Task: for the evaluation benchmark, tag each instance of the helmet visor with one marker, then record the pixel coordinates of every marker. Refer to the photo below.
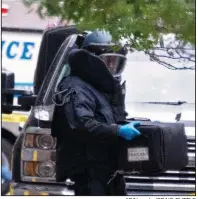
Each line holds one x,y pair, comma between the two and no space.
114,62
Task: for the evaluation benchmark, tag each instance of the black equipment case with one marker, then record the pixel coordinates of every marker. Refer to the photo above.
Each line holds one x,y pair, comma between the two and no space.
161,147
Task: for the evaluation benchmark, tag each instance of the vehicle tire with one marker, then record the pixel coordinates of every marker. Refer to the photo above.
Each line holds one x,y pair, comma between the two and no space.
6,152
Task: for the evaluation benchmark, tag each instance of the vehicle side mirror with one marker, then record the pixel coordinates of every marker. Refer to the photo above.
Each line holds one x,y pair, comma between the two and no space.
7,81
26,99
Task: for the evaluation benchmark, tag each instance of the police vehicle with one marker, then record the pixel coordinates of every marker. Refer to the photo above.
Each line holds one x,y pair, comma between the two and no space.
19,55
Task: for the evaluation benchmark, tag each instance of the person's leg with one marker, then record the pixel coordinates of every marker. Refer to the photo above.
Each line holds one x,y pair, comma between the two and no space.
81,185
95,184
98,184
89,186
96,188
117,186
120,187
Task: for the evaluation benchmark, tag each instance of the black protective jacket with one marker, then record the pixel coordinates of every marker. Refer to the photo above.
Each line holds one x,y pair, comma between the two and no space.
86,124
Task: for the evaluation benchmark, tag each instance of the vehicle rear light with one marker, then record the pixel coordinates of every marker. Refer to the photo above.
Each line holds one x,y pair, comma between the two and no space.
45,141
46,169
39,141
38,156
29,168
39,169
30,140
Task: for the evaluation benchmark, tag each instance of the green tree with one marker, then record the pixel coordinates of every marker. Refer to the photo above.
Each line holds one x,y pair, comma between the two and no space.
143,23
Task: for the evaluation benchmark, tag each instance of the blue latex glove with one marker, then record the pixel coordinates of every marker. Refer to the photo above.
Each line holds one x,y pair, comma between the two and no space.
128,131
6,173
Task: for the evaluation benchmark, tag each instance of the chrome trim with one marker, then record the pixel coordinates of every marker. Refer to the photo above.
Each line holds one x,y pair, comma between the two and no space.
165,178
191,148
57,190
48,180
159,193
161,186
190,133
179,172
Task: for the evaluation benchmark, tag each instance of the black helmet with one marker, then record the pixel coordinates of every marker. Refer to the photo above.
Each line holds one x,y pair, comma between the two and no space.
113,54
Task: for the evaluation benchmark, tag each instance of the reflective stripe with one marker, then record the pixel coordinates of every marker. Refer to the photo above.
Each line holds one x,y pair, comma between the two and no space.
26,193
33,180
44,194
14,118
31,193
35,156
11,190
192,194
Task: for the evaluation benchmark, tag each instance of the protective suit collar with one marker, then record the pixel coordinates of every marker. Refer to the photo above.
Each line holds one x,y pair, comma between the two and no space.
91,69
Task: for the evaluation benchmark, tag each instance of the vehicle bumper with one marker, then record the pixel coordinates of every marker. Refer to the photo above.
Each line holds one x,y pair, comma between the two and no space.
30,189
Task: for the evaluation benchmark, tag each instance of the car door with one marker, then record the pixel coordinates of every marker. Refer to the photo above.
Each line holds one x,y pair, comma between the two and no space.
51,42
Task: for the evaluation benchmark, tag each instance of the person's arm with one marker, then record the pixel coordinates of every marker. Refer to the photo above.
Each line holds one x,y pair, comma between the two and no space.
79,110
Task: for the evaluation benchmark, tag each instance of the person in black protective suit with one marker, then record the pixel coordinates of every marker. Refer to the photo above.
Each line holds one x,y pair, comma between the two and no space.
86,125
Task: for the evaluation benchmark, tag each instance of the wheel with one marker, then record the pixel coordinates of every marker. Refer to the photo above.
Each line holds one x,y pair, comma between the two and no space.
6,151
